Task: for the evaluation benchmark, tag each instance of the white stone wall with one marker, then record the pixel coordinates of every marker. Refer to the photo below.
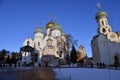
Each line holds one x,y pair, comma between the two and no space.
56,33
104,50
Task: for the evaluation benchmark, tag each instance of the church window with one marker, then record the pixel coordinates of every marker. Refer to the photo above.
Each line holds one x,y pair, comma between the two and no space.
38,43
103,30
28,43
102,23
49,42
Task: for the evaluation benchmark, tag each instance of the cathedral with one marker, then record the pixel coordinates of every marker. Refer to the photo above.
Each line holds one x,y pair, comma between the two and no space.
50,46
106,44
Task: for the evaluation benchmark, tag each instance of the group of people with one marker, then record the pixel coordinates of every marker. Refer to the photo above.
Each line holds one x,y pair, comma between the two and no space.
100,65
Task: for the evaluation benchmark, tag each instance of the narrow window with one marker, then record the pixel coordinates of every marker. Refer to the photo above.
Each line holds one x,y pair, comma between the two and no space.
38,43
28,43
34,45
102,23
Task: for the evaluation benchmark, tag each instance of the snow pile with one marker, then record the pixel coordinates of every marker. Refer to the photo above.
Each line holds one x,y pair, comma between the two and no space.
86,74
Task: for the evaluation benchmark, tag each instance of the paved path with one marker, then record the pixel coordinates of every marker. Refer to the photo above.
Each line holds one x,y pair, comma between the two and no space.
31,74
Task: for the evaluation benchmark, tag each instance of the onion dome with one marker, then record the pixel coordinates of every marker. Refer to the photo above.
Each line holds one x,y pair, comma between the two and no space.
101,14
39,30
49,24
56,26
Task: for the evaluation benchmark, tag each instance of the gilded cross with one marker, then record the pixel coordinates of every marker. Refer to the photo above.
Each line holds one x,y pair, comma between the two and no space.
99,6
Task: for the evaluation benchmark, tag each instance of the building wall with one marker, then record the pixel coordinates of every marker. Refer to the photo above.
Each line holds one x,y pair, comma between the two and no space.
41,45
104,50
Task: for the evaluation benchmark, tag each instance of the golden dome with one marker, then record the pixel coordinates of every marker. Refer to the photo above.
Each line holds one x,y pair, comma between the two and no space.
50,24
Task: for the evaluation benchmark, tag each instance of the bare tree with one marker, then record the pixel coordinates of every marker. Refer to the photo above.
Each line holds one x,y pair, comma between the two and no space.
70,41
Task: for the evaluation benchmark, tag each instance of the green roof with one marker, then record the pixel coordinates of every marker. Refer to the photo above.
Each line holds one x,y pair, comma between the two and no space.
56,26
39,30
101,14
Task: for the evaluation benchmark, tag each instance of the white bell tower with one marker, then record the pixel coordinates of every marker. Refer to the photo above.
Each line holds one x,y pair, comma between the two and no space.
102,19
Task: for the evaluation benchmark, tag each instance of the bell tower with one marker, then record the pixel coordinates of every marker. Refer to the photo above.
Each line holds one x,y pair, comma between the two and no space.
102,20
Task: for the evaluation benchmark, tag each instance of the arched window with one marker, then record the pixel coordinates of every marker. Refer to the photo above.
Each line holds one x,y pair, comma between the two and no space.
102,23
49,42
28,43
103,30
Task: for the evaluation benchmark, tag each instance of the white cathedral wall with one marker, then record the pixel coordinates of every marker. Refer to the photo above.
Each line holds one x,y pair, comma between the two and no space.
114,48
106,50
38,43
54,42
48,31
64,39
38,39
102,21
99,50
95,52
56,33
119,39
38,35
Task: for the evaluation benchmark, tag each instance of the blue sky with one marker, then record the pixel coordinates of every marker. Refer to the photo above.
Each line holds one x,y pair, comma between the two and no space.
19,19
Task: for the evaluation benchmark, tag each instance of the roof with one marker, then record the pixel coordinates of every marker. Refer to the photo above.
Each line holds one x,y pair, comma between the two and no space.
101,14
39,30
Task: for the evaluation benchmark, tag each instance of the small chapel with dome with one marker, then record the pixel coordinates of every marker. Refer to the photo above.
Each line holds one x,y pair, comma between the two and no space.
50,46
106,44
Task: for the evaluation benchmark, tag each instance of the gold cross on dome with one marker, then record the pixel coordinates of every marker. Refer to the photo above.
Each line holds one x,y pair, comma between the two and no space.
99,6
51,17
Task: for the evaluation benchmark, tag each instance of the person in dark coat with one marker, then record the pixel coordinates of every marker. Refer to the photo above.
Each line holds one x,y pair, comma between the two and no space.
97,64
115,66
100,65
103,65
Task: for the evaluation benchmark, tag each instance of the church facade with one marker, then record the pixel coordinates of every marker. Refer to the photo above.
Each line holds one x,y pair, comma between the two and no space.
49,45
106,44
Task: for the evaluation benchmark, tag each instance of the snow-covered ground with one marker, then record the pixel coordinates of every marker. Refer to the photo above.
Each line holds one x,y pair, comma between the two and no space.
86,74
14,69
